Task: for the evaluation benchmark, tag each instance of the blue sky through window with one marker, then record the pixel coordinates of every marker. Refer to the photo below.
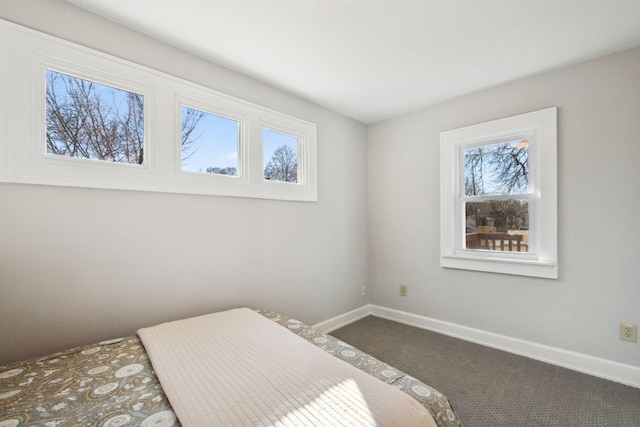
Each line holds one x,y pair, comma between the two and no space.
215,145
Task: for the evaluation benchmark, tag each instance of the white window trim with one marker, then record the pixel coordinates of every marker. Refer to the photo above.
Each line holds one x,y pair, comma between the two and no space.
543,261
22,152
273,188
209,105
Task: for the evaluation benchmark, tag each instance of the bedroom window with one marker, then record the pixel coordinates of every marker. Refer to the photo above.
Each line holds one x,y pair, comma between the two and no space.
281,156
498,208
497,195
92,121
74,116
209,142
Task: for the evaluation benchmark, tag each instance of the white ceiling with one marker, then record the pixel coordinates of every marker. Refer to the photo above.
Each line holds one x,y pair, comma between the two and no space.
375,59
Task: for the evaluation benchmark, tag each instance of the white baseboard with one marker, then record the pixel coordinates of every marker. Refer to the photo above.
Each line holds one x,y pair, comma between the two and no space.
343,319
598,367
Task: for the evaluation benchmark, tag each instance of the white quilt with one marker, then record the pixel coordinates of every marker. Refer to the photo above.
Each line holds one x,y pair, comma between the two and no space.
237,368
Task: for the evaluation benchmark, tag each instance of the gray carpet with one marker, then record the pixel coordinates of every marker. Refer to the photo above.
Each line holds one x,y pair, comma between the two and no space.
491,388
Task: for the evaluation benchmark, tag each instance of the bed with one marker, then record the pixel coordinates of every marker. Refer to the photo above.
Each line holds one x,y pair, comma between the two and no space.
253,360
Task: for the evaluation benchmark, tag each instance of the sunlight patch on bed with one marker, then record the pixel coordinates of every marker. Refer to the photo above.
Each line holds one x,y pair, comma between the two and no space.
342,403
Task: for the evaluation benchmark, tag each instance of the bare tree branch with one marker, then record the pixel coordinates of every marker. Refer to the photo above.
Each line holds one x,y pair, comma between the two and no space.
92,121
189,124
283,165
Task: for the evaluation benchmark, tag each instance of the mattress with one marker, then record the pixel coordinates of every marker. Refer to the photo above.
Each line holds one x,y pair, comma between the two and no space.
113,383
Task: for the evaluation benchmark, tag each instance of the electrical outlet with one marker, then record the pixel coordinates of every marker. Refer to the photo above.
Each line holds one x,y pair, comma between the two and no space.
363,291
403,290
629,332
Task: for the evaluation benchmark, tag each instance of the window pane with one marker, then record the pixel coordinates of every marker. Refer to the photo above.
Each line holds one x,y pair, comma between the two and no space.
498,225
89,120
497,169
280,156
209,143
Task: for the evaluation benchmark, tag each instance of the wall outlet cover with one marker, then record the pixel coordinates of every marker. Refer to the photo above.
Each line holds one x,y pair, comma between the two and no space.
629,332
403,290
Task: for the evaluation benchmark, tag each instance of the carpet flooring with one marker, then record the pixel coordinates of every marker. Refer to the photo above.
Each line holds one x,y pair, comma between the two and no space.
492,388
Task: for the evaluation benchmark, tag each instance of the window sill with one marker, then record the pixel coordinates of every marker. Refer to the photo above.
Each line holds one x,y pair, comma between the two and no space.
519,267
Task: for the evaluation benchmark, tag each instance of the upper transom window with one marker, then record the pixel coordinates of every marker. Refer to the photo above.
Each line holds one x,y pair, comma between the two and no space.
74,116
210,143
89,120
281,153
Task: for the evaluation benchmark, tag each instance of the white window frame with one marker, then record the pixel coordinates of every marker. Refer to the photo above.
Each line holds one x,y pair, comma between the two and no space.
208,105
273,188
541,259
39,148
23,156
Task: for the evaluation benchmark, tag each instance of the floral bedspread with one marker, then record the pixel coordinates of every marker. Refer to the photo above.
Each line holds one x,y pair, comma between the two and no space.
106,384
112,383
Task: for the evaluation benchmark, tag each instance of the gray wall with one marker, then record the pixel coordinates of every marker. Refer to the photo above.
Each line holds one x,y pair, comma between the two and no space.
80,265
599,208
